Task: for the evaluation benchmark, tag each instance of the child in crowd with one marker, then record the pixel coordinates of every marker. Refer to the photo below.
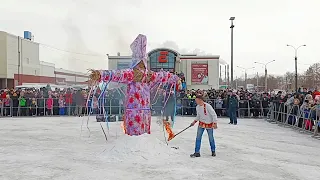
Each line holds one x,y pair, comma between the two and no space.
22,105
7,103
95,105
50,105
62,105
33,107
218,106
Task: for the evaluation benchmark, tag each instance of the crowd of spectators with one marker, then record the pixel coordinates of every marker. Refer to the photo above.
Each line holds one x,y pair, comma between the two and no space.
250,104
46,101
301,109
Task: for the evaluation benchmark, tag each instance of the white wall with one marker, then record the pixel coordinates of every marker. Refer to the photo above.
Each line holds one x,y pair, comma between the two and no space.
71,78
71,72
12,55
3,54
30,57
29,53
113,61
10,45
214,73
81,79
47,69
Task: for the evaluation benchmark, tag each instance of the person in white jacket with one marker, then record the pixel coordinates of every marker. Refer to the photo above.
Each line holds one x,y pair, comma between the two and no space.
207,118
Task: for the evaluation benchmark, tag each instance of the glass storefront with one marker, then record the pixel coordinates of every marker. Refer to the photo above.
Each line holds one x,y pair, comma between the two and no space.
162,59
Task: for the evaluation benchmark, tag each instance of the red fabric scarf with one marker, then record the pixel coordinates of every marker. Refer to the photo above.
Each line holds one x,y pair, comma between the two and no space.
205,109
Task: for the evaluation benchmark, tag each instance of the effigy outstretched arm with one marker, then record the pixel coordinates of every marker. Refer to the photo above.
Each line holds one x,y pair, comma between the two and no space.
120,76
163,78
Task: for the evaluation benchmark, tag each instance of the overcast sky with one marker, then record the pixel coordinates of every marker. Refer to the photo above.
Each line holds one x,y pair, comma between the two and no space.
262,29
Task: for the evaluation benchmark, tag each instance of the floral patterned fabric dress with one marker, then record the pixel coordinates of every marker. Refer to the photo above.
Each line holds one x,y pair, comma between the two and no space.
137,105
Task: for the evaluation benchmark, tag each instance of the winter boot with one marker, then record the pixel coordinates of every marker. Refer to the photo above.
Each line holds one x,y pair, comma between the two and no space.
195,155
213,153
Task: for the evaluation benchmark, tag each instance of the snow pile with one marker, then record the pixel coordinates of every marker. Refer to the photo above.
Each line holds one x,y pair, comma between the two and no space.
144,147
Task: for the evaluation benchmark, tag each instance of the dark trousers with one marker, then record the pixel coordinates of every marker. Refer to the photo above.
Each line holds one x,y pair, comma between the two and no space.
41,111
233,116
7,111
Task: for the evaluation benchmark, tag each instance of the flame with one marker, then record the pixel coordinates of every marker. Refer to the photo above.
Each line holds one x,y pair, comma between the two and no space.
123,126
168,129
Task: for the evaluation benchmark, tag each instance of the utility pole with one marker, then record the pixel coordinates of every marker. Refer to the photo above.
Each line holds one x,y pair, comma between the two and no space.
220,76
265,80
265,74
296,64
257,80
19,60
245,74
225,75
245,78
316,77
231,27
236,82
286,83
228,73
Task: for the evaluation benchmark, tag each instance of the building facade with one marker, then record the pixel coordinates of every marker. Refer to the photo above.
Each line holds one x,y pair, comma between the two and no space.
20,63
201,72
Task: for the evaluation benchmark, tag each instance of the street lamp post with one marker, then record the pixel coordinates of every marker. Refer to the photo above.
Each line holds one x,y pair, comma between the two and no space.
265,74
245,73
296,63
231,27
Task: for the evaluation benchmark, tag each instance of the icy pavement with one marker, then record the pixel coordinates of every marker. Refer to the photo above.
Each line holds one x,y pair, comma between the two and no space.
52,148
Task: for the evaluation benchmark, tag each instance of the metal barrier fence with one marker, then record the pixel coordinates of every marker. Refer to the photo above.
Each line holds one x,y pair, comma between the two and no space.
303,119
52,107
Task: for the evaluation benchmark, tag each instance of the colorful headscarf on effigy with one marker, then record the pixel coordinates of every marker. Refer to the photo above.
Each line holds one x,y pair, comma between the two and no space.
139,50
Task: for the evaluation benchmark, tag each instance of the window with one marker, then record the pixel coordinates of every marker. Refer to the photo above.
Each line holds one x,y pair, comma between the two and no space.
155,65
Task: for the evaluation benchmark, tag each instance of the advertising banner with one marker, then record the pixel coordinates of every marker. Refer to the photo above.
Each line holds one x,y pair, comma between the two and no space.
199,74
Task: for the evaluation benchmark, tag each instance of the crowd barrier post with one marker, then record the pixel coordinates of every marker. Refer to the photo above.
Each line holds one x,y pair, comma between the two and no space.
1,107
261,109
274,114
267,115
239,110
248,109
317,124
272,111
305,120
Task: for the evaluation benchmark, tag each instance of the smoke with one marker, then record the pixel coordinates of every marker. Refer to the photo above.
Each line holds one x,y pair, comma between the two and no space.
102,27
174,46
75,41
118,39
80,58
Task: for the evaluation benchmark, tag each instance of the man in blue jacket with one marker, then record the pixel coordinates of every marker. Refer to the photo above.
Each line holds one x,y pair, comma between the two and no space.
232,103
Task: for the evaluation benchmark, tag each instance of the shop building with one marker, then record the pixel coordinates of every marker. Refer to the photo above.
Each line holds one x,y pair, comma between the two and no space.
20,63
201,72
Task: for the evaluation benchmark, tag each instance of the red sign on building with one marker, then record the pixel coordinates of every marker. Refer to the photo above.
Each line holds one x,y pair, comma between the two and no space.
199,73
163,57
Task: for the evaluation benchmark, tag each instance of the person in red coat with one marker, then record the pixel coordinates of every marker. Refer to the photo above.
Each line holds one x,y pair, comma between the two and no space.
3,95
68,98
315,94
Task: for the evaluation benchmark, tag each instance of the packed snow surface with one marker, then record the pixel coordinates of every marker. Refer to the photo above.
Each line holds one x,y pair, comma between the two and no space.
56,148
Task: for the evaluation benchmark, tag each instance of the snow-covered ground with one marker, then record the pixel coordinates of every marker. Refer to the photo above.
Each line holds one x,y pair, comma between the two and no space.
54,148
